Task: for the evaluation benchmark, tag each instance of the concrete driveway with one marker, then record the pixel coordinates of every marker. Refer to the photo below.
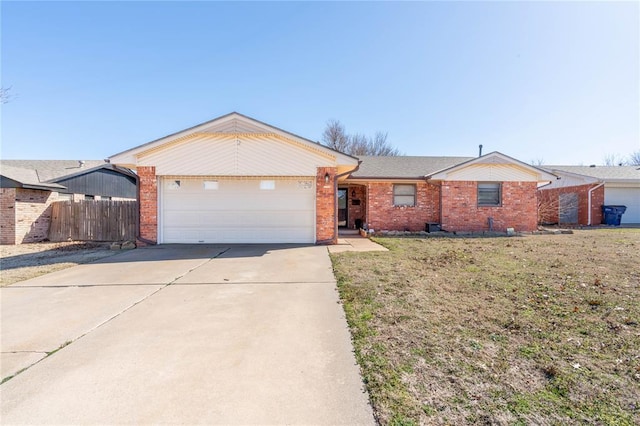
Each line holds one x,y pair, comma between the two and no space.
182,334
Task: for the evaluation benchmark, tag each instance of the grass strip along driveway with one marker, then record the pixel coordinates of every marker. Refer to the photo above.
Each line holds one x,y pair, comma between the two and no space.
542,329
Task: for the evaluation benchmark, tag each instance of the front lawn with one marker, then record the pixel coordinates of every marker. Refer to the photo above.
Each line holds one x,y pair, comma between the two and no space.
538,329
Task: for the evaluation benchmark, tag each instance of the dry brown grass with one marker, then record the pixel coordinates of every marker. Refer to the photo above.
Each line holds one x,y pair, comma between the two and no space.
526,330
24,261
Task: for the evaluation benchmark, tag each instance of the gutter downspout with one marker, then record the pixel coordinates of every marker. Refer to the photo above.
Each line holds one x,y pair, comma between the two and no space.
589,201
335,198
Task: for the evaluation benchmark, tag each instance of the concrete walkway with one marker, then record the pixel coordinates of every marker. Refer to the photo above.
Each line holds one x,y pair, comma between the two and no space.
182,334
355,243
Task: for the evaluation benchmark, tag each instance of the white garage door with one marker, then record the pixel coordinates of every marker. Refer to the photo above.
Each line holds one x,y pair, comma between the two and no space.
629,197
210,210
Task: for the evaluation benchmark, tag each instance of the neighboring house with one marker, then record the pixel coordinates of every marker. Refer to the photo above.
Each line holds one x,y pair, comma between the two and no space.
577,198
237,180
28,187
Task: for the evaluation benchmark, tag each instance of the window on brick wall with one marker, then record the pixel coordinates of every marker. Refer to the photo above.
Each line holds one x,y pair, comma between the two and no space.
404,195
489,194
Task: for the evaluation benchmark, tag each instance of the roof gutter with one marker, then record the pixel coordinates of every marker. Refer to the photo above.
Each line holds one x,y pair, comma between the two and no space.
384,179
50,187
589,198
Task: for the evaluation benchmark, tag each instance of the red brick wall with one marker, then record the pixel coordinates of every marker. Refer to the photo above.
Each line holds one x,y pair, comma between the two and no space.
384,216
326,207
597,201
148,203
548,211
33,214
460,211
7,216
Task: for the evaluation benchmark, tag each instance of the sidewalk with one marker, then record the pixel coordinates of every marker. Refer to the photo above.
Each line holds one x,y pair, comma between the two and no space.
355,243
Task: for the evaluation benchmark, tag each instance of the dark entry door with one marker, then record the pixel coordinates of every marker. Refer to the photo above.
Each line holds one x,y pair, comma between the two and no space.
342,207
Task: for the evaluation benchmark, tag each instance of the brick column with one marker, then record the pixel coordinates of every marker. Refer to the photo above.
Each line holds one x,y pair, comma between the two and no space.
7,216
148,204
326,206
33,214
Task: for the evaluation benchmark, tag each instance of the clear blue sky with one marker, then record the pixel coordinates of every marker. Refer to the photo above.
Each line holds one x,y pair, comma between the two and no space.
553,81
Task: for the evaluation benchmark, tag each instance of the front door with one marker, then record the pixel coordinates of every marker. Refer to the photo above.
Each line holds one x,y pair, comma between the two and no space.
342,207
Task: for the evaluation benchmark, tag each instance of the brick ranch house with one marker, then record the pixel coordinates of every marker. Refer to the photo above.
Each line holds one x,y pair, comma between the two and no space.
577,197
235,179
29,187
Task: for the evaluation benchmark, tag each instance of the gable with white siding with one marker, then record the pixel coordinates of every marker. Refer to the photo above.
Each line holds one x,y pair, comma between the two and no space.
493,167
234,145
245,154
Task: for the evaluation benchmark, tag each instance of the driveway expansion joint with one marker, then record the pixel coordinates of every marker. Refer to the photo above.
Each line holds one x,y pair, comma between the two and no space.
71,341
196,267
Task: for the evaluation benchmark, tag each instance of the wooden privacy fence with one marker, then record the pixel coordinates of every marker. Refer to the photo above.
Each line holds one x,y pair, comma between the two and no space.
93,220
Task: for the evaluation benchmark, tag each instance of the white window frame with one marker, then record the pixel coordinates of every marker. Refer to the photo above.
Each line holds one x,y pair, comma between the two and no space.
267,185
210,185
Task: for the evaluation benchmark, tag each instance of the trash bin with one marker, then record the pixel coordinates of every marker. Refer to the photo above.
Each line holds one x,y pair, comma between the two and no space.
432,227
612,215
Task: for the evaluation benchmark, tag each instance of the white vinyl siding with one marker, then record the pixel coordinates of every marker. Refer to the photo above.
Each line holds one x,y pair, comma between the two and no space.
492,172
230,155
238,211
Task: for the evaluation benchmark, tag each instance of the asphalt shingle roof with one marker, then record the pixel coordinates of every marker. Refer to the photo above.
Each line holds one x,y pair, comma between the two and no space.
47,170
404,167
606,173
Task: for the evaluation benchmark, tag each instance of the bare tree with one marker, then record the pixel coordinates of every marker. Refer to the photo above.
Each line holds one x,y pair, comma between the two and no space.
378,145
547,208
5,96
634,159
537,162
336,137
612,160
558,206
358,144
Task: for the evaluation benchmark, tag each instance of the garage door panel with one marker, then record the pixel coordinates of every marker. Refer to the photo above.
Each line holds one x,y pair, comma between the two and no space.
247,235
236,202
629,197
197,220
238,211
